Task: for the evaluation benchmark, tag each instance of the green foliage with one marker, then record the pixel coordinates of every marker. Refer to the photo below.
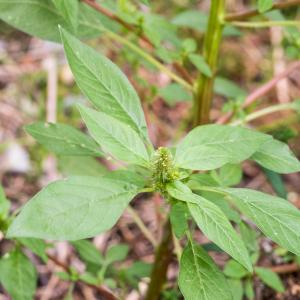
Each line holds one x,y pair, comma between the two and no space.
89,204
92,199
44,13
116,138
270,278
277,156
18,275
212,146
69,9
93,73
63,139
174,93
199,278
264,5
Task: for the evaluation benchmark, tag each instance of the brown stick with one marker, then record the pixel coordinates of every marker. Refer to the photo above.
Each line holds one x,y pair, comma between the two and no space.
253,12
288,268
264,89
106,294
112,16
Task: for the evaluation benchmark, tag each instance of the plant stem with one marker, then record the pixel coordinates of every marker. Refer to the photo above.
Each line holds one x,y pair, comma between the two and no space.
264,24
254,12
149,58
263,112
204,93
142,226
163,257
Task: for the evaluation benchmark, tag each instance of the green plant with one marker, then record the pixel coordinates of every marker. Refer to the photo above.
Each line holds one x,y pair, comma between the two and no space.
81,207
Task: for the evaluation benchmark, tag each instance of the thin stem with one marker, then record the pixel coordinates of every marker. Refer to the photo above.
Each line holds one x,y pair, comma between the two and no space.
262,90
204,94
142,226
254,12
163,257
149,59
264,24
263,112
105,293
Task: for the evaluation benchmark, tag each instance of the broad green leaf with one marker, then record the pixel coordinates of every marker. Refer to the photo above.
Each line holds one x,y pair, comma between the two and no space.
211,146
73,209
230,174
116,253
45,18
18,276
212,222
37,246
63,139
4,204
174,93
81,166
235,270
270,278
200,64
116,138
275,217
69,9
88,252
201,179
104,84
200,278
219,201
228,88
277,156
236,288
179,218
264,5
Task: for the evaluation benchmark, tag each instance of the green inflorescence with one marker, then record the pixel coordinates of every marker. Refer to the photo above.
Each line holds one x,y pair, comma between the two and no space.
164,170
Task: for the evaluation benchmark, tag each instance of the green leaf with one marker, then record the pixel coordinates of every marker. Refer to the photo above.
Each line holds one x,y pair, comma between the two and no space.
276,156
212,222
249,236
275,217
276,182
88,252
179,218
230,174
116,138
200,64
81,166
4,204
228,88
18,276
37,246
249,292
44,13
270,278
104,84
235,270
63,139
69,9
264,5
199,277
174,93
116,253
236,288
73,209
211,146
